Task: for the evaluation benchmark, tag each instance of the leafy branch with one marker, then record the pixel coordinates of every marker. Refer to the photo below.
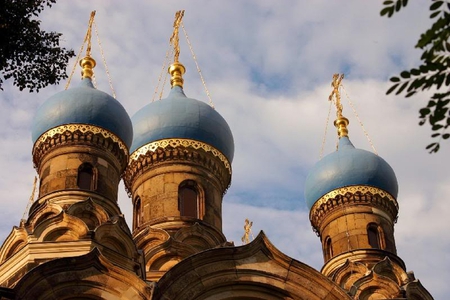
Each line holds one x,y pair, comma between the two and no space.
29,56
434,71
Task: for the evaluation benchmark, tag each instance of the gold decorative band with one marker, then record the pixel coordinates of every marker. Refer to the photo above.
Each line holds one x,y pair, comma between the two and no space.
354,189
174,143
84,128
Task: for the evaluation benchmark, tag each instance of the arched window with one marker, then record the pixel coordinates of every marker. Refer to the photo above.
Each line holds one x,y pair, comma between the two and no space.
86,176
188,200
373,236
137,218
328,249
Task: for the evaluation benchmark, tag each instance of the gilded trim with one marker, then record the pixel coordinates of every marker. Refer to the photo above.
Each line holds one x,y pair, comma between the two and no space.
83,128
354,189
175,143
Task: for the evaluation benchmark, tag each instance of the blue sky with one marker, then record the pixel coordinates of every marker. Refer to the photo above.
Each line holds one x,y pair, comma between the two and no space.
268,66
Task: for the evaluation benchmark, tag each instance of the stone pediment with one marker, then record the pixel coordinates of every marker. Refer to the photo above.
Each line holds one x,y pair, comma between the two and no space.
87,276
257,269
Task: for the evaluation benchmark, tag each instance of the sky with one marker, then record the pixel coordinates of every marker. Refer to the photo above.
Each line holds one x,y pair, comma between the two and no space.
268,66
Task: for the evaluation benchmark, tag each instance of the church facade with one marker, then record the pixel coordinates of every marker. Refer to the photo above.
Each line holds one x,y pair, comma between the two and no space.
175,157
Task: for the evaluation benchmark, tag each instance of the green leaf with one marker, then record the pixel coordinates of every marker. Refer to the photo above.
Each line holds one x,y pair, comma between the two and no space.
446,136
439,81
435,149
424,111
391,89
415,72
404,85
436,5
398,5
424,68
386,10
394,79
405,2
431,145
388,2
437,127
433,15
435,135
410,94
405,74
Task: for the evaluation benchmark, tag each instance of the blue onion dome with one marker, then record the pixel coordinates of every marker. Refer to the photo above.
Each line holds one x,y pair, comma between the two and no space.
349,166
178,116
83,104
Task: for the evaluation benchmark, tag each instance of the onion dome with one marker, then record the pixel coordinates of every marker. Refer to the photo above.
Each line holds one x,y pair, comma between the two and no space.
349,166
86,105
180,117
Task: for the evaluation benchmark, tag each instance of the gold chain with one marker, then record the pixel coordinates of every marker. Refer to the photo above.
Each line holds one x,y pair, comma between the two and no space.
166,60
104,60
172,51
31,200
74,66
359,120
326,129
198,68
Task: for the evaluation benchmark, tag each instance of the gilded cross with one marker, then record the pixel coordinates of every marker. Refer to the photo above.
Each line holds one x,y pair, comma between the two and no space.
174,39
336,94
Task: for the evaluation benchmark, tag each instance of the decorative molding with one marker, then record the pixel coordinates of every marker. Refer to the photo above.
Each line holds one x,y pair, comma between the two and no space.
354,189
63,134
84,128
349,195
175,143
175,150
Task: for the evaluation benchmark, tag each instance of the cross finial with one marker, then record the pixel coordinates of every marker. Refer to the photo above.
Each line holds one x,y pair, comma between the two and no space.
341,122
336,83
174,39
88,63
247,231
176,69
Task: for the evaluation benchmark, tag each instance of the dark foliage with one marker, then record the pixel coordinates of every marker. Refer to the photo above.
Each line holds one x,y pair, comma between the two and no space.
32,58
433,73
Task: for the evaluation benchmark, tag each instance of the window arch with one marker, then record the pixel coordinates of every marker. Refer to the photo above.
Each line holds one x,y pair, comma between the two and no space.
189,199
86,179
374,236
137,216
328,248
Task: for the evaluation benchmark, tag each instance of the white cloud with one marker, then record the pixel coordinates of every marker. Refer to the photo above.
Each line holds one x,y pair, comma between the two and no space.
268,67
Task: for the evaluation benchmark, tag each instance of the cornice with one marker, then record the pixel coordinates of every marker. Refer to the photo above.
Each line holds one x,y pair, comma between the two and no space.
78,134
352,196
175,143
172,150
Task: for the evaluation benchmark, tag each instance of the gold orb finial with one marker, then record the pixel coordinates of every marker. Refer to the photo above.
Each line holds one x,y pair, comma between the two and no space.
87,64
341,122
176,70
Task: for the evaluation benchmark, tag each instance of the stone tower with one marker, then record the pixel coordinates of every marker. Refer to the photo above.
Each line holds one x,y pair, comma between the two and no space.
352,197
179,170
75,237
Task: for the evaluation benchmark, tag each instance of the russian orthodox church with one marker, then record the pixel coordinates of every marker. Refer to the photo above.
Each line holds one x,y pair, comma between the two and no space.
175,158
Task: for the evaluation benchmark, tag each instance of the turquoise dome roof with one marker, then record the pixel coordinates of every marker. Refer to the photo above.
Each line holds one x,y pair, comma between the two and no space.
349,166
83,104
180,117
